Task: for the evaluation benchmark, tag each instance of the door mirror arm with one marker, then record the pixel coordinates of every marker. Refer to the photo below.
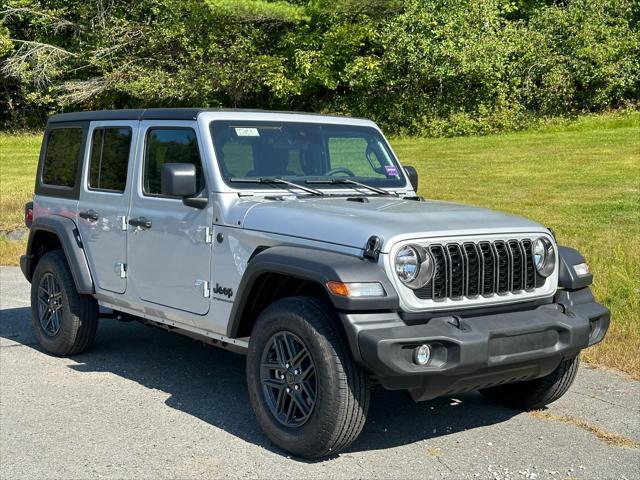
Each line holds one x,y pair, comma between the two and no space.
412,174
196,202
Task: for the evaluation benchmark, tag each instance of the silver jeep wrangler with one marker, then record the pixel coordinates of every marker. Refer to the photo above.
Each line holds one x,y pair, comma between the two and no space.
298,240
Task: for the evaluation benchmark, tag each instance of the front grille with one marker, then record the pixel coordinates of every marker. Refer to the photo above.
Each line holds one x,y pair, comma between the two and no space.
472,269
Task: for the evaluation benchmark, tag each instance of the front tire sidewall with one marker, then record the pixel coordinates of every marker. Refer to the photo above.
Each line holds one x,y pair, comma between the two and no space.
311,438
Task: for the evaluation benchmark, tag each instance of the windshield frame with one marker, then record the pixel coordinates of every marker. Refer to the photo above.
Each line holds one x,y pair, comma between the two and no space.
371,130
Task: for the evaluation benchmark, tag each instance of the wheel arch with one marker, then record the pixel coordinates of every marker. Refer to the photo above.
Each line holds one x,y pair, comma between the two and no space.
58,233
278,272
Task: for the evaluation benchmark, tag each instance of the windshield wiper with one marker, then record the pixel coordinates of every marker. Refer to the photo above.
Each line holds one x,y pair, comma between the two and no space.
274,181
348,181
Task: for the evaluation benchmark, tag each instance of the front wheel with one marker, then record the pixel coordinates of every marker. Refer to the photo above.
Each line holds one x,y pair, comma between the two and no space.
308,394
538,393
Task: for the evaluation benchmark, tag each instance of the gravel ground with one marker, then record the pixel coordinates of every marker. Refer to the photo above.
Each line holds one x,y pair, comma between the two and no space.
147,404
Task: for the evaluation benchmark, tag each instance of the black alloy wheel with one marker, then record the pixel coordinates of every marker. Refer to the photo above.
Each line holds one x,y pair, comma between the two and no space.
288,378
50,304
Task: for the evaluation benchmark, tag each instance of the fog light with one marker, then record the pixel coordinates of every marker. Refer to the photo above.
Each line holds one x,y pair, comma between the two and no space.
422,355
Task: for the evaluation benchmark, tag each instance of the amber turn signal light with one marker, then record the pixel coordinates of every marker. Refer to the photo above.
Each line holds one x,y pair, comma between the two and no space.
355,290
338,288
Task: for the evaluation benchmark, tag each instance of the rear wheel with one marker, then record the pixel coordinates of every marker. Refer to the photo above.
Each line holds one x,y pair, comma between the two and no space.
65,322
534,394
308,394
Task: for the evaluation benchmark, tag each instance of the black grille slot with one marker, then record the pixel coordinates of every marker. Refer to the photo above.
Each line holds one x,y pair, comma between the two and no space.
517,256
488,268
456,270
484,268
530,270
504,267
474,270
440,279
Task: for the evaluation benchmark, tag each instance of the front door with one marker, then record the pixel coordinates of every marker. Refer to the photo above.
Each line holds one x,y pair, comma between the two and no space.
104,201
168,246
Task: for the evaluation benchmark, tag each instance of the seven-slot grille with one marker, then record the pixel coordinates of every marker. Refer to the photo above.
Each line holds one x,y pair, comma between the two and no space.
486,268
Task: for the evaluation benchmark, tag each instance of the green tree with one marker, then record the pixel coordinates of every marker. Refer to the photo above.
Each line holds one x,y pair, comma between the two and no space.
439,67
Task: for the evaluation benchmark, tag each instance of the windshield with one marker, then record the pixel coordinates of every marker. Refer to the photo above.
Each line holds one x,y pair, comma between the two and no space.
304,151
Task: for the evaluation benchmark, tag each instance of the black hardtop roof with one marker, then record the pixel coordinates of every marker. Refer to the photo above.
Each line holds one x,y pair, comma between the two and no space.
154,114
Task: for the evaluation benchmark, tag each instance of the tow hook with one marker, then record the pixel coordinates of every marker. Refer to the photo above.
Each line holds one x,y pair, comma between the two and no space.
456,321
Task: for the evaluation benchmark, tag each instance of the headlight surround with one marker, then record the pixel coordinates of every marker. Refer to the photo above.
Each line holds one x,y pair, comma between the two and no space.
544,256
414,266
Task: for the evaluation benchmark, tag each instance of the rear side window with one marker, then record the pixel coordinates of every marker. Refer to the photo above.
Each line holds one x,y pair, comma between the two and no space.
164,145
64,149
109,159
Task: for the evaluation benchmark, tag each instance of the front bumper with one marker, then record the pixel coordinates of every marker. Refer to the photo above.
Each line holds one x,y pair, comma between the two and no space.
478,351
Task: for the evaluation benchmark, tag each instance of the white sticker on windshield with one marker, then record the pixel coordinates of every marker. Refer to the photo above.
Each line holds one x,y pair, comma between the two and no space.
247,132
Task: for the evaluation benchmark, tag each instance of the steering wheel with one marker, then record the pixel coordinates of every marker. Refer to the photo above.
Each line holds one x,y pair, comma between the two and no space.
335,171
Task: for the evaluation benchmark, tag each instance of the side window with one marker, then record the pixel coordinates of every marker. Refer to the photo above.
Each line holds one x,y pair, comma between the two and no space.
64,148
109,159
165,145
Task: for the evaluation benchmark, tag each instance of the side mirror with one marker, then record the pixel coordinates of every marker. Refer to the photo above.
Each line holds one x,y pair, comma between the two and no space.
179,180
412,173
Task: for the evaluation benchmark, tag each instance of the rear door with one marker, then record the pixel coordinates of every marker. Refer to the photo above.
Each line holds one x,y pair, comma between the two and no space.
104,201
170,249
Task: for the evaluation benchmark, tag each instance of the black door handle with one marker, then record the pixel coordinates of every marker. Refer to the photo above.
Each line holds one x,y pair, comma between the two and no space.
90,215
141,222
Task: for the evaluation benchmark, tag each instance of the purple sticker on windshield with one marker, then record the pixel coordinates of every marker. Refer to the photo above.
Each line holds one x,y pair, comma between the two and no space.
391,170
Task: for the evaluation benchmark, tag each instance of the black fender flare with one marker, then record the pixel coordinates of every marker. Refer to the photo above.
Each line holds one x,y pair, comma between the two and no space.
67,232
317,266
567,277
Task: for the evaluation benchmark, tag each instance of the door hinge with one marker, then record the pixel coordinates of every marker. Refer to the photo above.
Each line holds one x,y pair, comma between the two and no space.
208,235
121,269
203,286
123,225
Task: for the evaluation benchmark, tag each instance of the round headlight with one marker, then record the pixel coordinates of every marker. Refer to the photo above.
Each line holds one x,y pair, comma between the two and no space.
544,256
407,264
414,266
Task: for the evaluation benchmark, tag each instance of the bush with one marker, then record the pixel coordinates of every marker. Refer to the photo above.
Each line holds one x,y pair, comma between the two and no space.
442,67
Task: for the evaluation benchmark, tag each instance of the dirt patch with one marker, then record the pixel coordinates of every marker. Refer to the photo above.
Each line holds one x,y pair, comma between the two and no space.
610,438
434,451
15,235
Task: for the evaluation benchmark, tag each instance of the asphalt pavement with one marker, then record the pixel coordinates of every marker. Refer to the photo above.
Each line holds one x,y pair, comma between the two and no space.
143,403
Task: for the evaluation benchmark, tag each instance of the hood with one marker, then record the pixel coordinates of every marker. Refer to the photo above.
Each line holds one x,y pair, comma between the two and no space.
342,221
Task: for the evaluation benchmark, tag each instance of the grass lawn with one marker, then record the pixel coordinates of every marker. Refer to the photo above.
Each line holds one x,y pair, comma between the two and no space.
580,178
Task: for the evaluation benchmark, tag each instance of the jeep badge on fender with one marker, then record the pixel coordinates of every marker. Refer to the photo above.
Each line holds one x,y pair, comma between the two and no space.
328,270
227,292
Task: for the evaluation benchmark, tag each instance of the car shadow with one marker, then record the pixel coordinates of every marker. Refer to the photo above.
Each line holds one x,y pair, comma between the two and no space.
209,384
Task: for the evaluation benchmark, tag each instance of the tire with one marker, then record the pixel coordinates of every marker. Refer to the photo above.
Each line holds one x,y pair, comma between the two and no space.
535,394
341,387
76,316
